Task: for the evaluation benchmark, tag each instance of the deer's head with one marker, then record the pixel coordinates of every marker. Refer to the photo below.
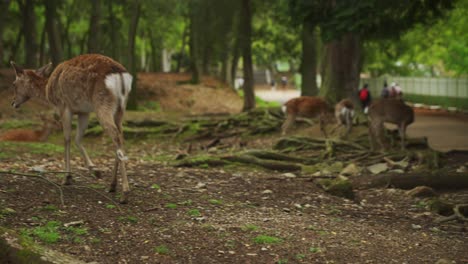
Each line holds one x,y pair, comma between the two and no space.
26,82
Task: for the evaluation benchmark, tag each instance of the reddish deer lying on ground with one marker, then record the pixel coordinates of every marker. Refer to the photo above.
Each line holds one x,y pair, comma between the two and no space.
79,86
29,135
393,111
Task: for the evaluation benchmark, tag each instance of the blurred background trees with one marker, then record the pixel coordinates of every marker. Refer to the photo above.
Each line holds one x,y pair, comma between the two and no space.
336,40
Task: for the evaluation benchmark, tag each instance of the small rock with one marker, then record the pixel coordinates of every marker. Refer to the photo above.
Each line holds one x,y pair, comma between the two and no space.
267,192
264,249
287,210
74,223
318,173
461,169
378,168
350,170
444,261
39,169
398,171
144,257
289,175
421,191
416,226
200,185
298,206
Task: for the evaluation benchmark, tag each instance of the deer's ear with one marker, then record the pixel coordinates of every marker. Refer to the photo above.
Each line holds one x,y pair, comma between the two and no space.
45,70
18,70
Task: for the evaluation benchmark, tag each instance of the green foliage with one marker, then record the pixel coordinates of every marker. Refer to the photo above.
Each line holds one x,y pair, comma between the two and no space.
128,219
264,239
215,202
171,205
11,149
460,103
249,227
162,249
194,213
49,233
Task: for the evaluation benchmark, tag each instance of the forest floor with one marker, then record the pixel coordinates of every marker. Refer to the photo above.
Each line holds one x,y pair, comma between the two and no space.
204,214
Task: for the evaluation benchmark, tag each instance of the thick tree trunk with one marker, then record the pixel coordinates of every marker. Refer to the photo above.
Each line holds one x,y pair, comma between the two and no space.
246,44
52,31
195,67
132,31
155,52
29,26
234,62
3,12
113,31
309,60
42,47
341,68
94,29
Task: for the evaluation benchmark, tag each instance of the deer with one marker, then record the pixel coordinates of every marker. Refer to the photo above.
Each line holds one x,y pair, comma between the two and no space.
305,106
310,107
84,84
29,135
393,111
344,113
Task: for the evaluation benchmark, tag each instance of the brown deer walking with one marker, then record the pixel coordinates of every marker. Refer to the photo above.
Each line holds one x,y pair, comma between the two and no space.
310,107
80,86
393,111
29,135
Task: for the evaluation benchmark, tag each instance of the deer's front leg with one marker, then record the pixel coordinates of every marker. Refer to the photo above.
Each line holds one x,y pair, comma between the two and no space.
82,125
67,125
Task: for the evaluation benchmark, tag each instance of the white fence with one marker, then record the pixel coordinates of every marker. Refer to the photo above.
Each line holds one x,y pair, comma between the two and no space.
446,87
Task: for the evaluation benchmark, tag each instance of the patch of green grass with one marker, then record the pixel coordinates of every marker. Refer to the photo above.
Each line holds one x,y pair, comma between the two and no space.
4,212
11,149
110,206
149,106
48,233
97,186
315,250
79,231
128,219
171,206
95,240
300,256
50,208
204,166
437,100
194,213
282,261
14,123
216,202
162,250
249,227
155,186
264,239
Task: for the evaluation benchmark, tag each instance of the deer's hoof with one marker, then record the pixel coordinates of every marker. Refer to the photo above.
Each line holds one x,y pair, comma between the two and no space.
67,181
124,198
96,173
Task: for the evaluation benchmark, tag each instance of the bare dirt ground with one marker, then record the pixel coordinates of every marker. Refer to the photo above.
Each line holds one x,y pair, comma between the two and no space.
233,214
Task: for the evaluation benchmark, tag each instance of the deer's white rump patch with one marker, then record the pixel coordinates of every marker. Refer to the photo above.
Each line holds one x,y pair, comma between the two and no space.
120,85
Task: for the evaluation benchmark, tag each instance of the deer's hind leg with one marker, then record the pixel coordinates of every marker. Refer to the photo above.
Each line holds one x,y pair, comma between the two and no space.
112,124
82,125
67,126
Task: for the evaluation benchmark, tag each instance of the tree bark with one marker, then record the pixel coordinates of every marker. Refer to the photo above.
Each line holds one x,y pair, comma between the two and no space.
42,47
234,62
52,31
194,43
182,49
341,68
4,4
29,26
94,29
246,44
113,31
309,61
132,31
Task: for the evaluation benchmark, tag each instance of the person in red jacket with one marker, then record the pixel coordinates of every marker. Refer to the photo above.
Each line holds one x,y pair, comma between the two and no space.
365,97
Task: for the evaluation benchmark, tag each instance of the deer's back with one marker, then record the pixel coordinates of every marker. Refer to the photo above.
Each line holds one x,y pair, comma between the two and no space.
79,81
392,111
306,106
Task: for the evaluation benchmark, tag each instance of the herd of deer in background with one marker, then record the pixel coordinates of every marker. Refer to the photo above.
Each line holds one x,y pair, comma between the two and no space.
96,83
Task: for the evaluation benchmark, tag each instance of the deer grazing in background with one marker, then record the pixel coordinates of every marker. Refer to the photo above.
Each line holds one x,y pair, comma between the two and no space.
29,135
79,86
393,111
305,106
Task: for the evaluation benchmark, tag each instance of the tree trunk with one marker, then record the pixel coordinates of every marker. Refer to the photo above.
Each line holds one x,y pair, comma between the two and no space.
341,68
29,26
52,31
3,12
94,32
132,31
182,49
194,54
309,60
234,62
42,47
246,44
155,54
113,31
